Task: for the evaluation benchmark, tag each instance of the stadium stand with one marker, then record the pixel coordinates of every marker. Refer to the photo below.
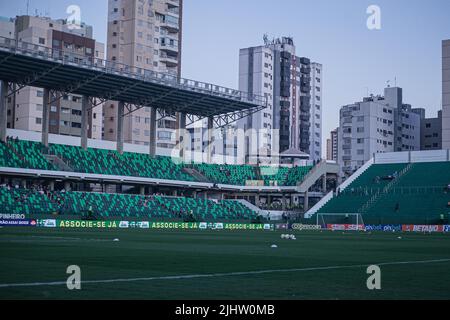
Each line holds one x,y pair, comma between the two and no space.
8,158
23,201
158,167
278,175
32,155
227,174
118,206
284,176
297,174
414,193
91,160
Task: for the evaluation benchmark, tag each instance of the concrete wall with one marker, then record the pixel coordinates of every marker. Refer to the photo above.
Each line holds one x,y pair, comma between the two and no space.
413,156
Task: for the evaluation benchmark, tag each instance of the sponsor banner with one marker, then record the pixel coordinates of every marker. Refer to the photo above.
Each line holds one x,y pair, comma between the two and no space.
345,227
299,226
218,226
52,223
87,224
6,216
135,224
46,223
446,228
243,226
18,222
385,228
143,225
423,228
211,225
124,224
175,225
281,226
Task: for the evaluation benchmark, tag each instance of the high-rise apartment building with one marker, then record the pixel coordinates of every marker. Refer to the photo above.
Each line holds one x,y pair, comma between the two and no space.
144,35
26,105
376,124
431,132
293,87
446,94
332,146
7,27
315,139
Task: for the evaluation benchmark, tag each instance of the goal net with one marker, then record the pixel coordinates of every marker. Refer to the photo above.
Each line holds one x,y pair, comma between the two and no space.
325,219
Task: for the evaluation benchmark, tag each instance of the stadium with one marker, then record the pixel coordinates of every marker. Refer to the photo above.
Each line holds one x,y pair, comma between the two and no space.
141,225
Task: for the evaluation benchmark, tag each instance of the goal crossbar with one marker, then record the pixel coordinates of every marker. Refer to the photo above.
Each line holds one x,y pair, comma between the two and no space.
358,217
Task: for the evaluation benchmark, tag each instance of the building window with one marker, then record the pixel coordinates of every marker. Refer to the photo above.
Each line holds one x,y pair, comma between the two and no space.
38,120
164,135
41,40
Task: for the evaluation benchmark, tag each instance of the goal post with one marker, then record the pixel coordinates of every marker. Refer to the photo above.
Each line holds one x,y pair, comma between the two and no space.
324,219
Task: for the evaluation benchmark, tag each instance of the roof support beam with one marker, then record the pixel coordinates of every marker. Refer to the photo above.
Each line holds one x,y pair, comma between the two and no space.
153,124
34,77
45,116
3,110
120,118
84,121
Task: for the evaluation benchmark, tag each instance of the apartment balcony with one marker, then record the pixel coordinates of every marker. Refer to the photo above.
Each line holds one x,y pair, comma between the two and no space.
305,124
170,24
305,79
170,61
347,120
174,11
305,108
305,70
167,44
305,117
173,3
305,88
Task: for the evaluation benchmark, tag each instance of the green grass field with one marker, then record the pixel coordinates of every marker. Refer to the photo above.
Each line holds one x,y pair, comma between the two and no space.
229,258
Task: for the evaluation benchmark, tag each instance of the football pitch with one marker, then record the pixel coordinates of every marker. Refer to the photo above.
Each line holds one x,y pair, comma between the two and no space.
152,264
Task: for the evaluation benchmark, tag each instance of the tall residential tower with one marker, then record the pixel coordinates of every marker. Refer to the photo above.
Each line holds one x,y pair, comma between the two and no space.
446,94
293,87
144,35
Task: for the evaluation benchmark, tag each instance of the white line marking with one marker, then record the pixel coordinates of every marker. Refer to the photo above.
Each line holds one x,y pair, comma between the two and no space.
215,275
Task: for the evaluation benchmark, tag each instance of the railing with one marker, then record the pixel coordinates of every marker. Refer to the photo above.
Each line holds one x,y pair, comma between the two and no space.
113,67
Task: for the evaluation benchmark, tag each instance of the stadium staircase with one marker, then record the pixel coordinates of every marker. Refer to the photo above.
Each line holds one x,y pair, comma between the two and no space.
380,193
251,206
58,163
315,174
319,205
194,173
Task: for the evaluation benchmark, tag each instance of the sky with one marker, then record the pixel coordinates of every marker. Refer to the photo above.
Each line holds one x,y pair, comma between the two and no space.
355,60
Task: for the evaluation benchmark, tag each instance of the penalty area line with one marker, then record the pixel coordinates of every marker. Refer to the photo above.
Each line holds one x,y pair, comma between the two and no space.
227,274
